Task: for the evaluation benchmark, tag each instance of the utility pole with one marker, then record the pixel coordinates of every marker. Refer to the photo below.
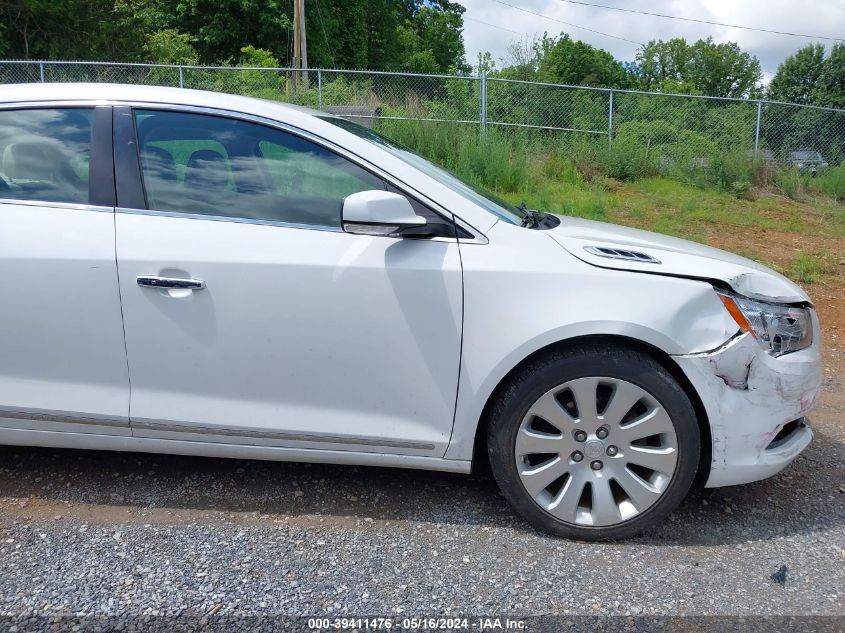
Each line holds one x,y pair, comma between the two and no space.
300,46
303,41
297,47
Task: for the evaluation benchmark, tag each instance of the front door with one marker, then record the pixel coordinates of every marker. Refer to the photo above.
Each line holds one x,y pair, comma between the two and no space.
251,317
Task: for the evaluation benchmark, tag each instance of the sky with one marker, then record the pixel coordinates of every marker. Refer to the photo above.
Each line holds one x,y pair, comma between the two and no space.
814,17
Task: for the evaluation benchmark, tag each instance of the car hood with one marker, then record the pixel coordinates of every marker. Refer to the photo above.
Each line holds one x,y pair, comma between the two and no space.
672,256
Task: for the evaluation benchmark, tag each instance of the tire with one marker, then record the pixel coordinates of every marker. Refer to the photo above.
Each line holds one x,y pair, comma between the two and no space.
636,464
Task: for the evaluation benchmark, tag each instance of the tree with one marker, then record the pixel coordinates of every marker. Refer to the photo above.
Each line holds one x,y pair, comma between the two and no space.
383,19
808,77
830,90
718,70
439,28
4,40
524,57
169,46
76,29
220,28
660,63
486,64
349,36
259,83
375,34
724,70
577,63
257,58
796,78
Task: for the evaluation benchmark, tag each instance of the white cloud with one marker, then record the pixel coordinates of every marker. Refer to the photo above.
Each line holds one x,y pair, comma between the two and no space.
820,17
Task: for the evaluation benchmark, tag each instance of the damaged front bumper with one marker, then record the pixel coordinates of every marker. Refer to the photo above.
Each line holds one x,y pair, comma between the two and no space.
755,404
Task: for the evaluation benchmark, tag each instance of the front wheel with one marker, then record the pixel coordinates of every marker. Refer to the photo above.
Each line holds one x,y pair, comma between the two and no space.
594,442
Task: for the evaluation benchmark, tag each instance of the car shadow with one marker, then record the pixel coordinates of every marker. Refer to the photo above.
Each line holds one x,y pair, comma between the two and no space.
804,498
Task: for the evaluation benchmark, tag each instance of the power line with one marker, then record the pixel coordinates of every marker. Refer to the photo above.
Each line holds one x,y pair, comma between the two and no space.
504,28
495,26
700,21
577,26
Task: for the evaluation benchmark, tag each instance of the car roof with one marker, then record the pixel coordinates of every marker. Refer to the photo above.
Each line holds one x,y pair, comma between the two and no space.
307,119
12,93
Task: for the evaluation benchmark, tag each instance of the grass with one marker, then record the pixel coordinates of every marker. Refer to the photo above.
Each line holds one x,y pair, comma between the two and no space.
810,267
789,221
832,182
829,183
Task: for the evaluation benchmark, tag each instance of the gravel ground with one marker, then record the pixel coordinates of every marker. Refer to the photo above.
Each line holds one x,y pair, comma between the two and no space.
110,534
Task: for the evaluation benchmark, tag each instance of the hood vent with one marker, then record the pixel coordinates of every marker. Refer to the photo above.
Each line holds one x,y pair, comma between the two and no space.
621,253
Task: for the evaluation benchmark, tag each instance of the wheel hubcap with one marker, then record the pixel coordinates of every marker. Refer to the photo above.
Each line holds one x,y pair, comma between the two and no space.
594,448
596,451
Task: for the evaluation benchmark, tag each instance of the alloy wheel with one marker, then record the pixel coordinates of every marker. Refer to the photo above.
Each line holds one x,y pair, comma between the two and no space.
596,451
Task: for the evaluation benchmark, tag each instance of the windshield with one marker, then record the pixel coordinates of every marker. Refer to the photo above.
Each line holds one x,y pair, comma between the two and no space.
495,205
806,155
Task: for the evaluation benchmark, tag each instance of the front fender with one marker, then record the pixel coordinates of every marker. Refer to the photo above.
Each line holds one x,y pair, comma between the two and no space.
520,298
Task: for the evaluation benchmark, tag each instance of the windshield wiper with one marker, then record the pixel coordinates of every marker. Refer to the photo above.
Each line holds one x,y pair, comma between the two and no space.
531,219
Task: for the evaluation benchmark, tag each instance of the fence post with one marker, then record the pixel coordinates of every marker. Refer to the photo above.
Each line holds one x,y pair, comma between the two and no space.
41,70
757,130
319,90
181,77
610,119
483,102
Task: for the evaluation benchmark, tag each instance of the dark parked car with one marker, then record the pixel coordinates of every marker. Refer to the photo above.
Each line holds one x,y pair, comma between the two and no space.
806,160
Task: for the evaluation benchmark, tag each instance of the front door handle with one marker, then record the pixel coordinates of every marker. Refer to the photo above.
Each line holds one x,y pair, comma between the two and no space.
171,282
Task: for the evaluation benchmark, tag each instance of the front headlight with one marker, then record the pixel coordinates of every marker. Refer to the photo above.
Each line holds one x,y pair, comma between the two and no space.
780,329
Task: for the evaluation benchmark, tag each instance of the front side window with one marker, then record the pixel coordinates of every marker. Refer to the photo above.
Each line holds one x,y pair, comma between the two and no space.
45,154
212,165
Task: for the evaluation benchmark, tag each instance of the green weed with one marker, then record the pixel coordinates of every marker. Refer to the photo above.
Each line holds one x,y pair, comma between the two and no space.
678,185
831,182
808,267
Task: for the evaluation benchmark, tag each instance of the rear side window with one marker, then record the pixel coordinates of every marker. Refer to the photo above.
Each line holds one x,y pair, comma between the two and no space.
45,154
211,165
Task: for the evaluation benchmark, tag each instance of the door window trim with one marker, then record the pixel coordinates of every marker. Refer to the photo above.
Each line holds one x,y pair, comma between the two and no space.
223,218
52,204
130,195
101,186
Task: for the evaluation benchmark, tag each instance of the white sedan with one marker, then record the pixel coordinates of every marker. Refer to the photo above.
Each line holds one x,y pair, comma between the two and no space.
204,274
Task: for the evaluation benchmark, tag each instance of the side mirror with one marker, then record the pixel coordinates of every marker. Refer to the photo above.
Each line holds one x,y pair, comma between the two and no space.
380,213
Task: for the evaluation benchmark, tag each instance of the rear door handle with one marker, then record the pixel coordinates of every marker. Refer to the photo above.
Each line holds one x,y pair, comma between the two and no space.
171,282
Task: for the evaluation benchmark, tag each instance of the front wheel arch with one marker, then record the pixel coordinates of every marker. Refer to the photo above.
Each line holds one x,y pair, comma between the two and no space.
480,460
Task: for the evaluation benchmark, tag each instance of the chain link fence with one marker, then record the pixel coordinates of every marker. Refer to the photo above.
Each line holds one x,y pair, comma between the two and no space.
679,130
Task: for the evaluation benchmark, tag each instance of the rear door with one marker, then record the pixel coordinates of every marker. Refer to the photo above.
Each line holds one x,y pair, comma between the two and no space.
252,318
62,353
